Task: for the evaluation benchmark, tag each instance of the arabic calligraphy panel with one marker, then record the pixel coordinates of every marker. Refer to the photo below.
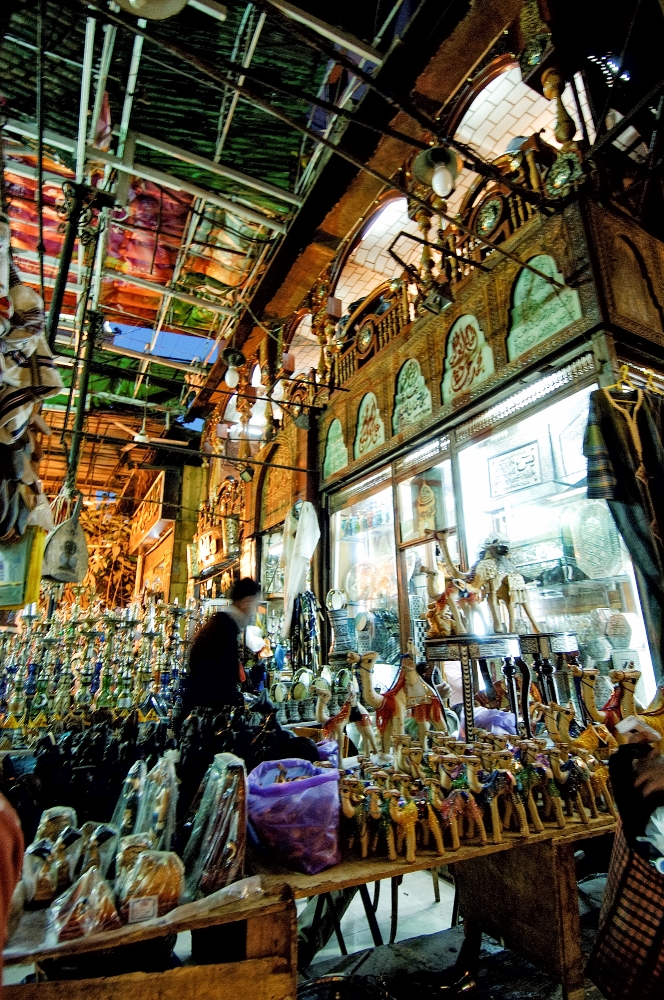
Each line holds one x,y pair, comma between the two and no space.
468,358
370,427
515,470
540,309
336,452
413,398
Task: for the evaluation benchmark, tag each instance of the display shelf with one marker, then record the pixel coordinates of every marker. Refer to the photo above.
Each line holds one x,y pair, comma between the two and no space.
357,871
266,971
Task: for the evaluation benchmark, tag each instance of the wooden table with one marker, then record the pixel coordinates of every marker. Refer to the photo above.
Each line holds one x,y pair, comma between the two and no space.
522,891
266,967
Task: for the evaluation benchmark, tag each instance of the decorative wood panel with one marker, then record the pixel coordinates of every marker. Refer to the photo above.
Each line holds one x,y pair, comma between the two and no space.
488,297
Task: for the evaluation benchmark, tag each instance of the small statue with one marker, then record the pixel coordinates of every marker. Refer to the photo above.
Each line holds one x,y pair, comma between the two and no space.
352,711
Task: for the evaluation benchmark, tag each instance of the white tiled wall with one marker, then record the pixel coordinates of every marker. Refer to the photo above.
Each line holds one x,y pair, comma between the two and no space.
305,347
505,109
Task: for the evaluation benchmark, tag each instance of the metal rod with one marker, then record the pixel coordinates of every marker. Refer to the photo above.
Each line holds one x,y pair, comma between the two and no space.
216,168
77,430
127,352
236,97
90,27
131,88
191,452
621,126
65,263
335,35
110,32
178,184
39,115
152,286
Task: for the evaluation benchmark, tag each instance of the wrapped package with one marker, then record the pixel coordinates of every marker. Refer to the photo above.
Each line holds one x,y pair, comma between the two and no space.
214,855
53,821
293,812
126,810
157,809
64,858
100,849
128,851
152,888
86,908
38,874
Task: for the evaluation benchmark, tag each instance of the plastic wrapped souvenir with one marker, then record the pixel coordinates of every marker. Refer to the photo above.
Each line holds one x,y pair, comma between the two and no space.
214,856
157,810
86,908
126,810
152,888
64,857
128,851
53,821
100,849
38,874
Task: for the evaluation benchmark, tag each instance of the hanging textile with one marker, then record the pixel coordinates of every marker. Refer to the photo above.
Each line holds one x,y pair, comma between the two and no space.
624,445
301,534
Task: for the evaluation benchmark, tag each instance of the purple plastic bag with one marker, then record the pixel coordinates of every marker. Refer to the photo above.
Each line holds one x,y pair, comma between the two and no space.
296,820
329,750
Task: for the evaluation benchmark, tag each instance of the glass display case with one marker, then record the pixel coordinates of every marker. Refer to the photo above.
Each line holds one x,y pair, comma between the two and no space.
526,482
364,567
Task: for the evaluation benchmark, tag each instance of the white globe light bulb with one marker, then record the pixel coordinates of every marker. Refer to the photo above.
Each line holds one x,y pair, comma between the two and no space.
232,377
442,181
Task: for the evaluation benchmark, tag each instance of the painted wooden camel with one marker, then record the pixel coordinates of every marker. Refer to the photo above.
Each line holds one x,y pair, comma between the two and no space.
493,577
409,692
623,702
352,711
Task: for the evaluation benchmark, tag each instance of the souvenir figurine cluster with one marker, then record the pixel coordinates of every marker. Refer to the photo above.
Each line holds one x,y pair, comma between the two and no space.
64,670
97,876
470,793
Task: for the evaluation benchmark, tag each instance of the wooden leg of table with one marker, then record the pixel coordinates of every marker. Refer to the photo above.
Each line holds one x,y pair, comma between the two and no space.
528,897
436,884
371,916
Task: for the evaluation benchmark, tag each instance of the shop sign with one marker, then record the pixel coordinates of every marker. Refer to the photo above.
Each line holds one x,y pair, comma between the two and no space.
218,544
468,358
336,452
539,309
413,398
515,470
370,427
154,513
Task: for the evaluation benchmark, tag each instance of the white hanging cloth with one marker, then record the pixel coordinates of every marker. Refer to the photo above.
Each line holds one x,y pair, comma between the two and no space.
301,534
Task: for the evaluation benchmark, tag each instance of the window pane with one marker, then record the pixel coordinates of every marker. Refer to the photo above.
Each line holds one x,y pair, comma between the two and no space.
364,567
528,483
426,501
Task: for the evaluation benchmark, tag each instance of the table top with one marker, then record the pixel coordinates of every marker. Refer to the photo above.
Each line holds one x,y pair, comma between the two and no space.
356,871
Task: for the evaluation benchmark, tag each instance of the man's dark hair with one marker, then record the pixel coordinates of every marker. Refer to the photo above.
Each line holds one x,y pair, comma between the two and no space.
246,587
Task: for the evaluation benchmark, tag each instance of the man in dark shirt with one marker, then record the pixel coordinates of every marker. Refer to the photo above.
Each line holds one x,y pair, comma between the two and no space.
214,663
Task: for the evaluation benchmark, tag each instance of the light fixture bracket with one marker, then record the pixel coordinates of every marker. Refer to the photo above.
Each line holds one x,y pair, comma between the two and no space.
233,358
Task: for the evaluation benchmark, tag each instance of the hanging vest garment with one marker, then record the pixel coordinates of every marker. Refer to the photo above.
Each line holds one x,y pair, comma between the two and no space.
624,446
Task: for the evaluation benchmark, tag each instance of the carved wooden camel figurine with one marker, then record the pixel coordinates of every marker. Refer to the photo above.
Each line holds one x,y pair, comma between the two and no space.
409,691
404,815
493,577
568,781
440,623
379,819
453,780
599,779
624,703
353,808
334,726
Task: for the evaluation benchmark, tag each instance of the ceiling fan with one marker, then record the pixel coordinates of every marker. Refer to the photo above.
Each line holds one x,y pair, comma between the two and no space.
142,437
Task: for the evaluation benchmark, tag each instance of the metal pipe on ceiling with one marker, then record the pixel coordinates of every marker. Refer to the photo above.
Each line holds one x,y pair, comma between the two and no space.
131,87
336,35
127,352
236,97
216,168
110,32
152,286
86,75
178,184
